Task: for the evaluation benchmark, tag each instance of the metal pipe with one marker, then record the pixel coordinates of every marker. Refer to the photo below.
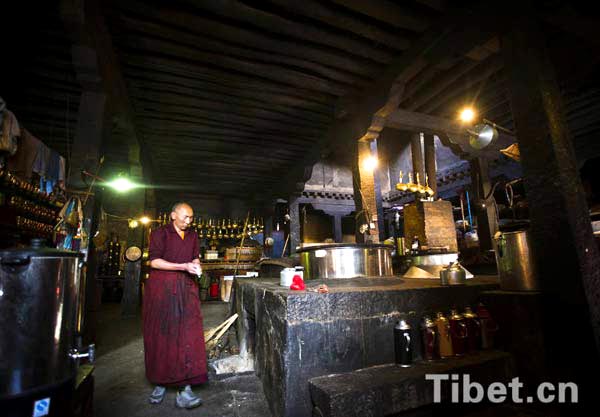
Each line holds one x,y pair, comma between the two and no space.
469,210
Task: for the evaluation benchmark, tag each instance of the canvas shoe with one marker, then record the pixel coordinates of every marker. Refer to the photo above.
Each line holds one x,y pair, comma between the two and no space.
158,394
187,399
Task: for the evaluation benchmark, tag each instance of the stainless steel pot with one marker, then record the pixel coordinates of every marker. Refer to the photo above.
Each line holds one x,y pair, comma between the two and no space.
516,267
40,289
347,260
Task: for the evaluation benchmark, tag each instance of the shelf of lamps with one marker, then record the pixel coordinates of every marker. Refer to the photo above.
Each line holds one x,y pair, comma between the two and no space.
414,187
31,209
16,186
34,226
216,229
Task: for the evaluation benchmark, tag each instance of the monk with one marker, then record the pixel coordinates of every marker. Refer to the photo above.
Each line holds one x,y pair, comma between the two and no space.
172,320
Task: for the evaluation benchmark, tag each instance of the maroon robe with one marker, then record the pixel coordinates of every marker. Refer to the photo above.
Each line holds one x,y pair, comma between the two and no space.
173,334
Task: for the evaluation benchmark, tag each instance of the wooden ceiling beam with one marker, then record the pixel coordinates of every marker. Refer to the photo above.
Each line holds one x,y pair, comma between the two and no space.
453,35
467,82
438,5
232,9
213,173
259,117
388,12
169,93
236,155
198,71
244,53
571,21
344,21
167,116
244,36
114,83
222,142
261,70
198,124
421,122
433,89
221,103
263,139
207,163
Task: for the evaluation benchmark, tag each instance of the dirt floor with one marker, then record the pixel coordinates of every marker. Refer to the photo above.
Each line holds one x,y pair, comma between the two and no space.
121,389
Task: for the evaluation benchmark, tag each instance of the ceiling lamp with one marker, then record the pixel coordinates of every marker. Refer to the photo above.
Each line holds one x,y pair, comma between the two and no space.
122,185
370,163
467,115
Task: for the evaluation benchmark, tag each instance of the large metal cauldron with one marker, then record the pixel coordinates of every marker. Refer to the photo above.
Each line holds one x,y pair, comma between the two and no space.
39,299
347,260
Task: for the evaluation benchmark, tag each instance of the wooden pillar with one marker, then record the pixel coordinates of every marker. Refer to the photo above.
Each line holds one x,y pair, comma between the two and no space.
85,156
294,212
417,158
485,211
367,193
562,241
430,168
130,303
337,228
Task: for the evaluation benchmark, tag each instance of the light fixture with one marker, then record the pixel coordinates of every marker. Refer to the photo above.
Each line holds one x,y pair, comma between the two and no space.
483,134
370,163
122,184
145,220
133,224
467,115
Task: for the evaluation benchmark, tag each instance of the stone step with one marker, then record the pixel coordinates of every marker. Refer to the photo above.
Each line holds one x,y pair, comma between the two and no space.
387,390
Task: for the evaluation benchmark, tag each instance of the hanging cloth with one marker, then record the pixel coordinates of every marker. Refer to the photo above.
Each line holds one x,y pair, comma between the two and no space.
2,108
40,163
71,217
53,168
21,163
10,133
61,173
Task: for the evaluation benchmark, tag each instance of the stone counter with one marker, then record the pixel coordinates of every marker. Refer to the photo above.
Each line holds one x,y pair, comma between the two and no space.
297,335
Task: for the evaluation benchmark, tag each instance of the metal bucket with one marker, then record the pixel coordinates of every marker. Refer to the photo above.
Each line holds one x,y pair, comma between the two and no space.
516,267
347,261
40,292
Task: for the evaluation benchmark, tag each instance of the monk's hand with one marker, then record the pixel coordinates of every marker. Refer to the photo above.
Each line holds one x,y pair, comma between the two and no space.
193,268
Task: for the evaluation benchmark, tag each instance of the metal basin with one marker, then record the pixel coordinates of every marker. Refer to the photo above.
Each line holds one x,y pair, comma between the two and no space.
346,260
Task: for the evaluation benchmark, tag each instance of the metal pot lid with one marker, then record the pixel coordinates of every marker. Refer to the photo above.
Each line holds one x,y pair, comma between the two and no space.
38,250
513,225
347,245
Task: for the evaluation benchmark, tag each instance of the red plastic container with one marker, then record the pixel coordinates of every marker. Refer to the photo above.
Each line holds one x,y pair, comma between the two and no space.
213,290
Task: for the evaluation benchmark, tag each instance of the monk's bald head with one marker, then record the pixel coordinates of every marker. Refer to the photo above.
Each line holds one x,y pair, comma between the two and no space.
182,215
179,204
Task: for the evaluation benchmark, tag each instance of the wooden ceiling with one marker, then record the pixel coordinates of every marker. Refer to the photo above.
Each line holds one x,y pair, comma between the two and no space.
229,96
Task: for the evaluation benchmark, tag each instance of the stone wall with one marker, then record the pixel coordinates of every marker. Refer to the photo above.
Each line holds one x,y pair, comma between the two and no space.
432,222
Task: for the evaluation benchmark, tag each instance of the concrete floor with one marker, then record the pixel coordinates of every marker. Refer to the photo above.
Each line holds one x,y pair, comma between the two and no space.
121,387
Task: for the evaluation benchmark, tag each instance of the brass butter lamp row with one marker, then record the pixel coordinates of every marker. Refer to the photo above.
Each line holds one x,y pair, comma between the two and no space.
414,187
